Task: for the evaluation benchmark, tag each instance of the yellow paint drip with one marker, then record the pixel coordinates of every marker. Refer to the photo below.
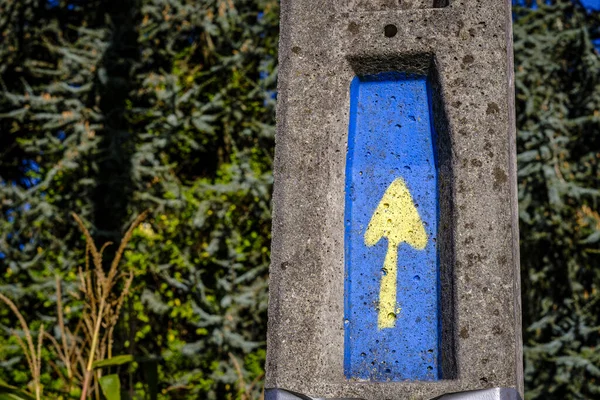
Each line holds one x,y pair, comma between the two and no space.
396,218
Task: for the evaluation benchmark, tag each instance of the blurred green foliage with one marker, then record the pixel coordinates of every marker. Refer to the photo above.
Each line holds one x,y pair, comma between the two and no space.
558,120
108,108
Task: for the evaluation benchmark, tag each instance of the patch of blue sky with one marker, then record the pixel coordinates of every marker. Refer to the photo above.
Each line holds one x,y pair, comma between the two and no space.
57,3
30,180
525,3
193,36
32,165
263,75
591,4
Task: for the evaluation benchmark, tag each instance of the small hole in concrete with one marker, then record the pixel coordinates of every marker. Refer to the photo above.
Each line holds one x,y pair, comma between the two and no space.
440,3
390,30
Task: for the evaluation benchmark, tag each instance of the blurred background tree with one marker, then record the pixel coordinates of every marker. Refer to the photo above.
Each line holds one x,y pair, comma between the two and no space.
558,116
111,107
108,108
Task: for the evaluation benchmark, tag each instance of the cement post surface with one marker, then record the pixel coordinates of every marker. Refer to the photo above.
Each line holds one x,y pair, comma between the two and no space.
484,394
466,50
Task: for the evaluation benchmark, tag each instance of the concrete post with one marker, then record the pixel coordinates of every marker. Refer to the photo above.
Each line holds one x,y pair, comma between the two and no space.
395,263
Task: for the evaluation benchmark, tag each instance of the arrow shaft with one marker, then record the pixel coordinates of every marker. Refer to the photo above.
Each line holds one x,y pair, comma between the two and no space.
387,292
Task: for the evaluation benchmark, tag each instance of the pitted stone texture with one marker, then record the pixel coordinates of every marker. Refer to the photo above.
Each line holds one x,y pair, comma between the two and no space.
385,5
466,48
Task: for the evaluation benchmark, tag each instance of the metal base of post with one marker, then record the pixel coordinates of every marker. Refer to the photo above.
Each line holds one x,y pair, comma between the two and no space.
280,394
487,394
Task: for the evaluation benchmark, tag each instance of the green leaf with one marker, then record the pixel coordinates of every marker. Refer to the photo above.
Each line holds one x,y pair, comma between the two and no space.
593,238
111,362
11,393
111,387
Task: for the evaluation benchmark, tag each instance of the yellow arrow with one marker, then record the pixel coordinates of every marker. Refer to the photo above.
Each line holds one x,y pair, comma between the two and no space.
397,219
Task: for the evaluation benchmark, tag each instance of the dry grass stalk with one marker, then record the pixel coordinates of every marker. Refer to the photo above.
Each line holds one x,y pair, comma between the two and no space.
92,339
245,390
68,351
33,358
103,307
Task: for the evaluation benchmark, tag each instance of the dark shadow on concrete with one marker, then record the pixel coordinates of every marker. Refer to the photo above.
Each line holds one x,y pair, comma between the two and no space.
446,249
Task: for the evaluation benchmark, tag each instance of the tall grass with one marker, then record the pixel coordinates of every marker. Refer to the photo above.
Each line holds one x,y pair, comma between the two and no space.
103,293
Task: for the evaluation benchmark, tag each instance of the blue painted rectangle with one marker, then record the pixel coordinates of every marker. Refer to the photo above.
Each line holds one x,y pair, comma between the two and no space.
391,142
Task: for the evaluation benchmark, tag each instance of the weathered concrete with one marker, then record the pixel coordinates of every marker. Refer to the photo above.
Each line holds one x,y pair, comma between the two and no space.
484,394
465,48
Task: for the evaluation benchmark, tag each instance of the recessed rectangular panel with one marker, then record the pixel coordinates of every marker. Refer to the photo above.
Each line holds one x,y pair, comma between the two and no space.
392,312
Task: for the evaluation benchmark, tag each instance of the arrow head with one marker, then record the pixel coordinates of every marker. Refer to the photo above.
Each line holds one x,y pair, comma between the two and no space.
397,218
